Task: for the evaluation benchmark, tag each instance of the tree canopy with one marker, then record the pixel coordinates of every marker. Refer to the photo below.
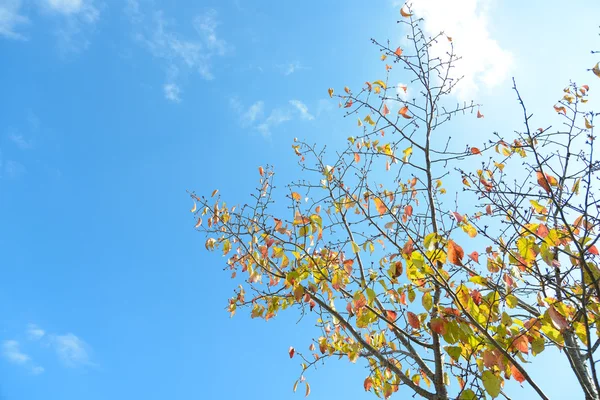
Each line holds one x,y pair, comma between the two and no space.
445,264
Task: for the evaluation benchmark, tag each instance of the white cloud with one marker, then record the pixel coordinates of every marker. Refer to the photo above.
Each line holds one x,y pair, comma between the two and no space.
180,54
302,109
76,18
34,332
277,117
12,352
13,169
10,19
36,370
20,141
71,350
172,92
484,62
254,112
83,9
290,68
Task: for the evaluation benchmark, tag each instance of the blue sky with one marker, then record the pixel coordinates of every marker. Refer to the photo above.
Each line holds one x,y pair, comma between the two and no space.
112,109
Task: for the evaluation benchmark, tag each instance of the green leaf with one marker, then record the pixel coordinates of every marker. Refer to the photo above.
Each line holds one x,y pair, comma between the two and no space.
427,301
491,383
468,395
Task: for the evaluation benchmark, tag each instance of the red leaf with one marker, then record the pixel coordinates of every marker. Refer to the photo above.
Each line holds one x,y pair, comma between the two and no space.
368,384
479,114
488,209
261,171
408,210
348,104
474,256
475,150
593,250
438,325
291,352
413,320
557,319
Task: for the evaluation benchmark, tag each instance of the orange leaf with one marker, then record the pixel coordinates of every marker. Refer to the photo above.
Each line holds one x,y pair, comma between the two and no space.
475,150
330,91
542,181
560,110
404,13
261,171
455,253
479,114
347,89
398,52
413,320
296,196
381,208
522,344
368,384
408,210
385,111
403,87
403,111
593,250
438,325
356,157
369,85
516,374
488,209
474,256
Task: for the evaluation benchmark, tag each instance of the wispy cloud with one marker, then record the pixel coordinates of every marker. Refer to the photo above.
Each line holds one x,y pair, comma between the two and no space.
302,109
20,141
13,169
11,19
34,332
12,352
179,54
71,350
484,62
277,117
172,92
76,17
290,68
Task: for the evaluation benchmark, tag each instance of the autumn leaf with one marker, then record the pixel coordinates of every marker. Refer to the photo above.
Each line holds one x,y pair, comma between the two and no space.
593,250
557,319
542,181
459,218
296,196
479,114
214,192
380,83
291,352
385,110
438,325
491,383
198,223
330,91
413,320
516,374
194,208
347,89
368,384
307,389
474,256
596,69
404,112
404,13
356,157
475,150
404,88
560,110
455,253
408,210
379,205
398,52
261,171
588,125
348,104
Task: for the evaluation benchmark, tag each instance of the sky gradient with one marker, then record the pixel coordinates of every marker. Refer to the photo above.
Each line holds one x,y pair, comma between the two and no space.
111,110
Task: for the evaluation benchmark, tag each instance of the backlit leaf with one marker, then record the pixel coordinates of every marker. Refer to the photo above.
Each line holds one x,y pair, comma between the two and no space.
455,253
330,91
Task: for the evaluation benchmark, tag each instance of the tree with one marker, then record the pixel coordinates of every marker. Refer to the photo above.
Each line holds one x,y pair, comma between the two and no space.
376,249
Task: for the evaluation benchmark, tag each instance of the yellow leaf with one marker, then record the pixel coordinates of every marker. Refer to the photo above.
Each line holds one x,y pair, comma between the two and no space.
296,196
380,83
407,152
355,248
359,122
369,120
214,192
383,57
596,69
193,208
377,89
330,91
381,208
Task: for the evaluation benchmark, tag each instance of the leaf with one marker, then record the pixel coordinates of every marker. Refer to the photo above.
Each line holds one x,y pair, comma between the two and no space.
468,395
474,256
408,210
368,384
557,319
516,374
296,196
407,153
214,192
330,91
560,110
369,120
348,104
380,83
355,248
595,70
479,114
413,320
459,218
347,89
511,301
593,250
356,157
588,125
404,88
404,13
198,223
385,110
296,386
398,52
438,325
307,389
404,112
381,208
491,383
488,209
541,180
455,253
427,301
261,171
291,352
475,150
194,208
